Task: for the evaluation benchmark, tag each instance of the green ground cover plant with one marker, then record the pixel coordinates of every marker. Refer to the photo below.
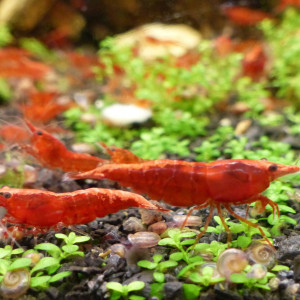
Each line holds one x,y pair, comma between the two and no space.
44,269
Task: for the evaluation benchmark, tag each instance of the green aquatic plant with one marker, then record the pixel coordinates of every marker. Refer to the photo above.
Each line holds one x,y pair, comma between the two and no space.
158,266
284,43
123,291
5,35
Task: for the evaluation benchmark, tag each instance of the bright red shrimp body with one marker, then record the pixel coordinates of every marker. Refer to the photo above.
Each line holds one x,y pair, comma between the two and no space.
46,209
52,153
214,184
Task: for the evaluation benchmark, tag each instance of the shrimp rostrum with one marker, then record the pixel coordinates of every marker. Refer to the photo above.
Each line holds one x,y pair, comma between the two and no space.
40,208
216,184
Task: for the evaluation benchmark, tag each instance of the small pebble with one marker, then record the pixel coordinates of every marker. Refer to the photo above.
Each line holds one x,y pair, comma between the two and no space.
89,118
191,221
274,283
292,289
144,239
3,170
122,115
133,224
242,127
30,174
84,148
158,227
118,249
149,216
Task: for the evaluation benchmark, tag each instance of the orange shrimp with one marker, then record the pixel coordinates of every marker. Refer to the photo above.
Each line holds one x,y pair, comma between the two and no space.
215,184
120,155
52,153
47,209
14,133
245,16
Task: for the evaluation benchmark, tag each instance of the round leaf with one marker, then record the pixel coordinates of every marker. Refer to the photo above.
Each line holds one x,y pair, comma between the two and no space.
159,277
52,249
147,264
177,256
136,286
20,263
45,263
41,281
116,286
59,276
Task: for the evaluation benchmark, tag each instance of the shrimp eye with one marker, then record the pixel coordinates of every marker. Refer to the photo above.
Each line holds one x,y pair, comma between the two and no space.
263,159
6,195
273,168
39,133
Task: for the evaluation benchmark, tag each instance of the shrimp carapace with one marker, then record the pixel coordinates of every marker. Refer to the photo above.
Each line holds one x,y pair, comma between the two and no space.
215,184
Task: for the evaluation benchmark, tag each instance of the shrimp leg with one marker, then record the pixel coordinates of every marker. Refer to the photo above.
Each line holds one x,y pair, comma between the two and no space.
224,224
190,212
210,215
249,223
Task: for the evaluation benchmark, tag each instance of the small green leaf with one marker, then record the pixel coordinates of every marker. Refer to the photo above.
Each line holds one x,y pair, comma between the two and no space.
147,264
4,265
188,242
70,248
59,276
262,286
41,281
157,258
196,277
280,268
136,286
81,239
44,263
177,256
61,236
187,268
288,219
136,297
52,249
116,286
167,264
187,234
159,277
239,278
20,263
284,208
71,238
17,251
167,242
157,290
207,271
5,252
202,247
174,233
191,291
243,241
196,259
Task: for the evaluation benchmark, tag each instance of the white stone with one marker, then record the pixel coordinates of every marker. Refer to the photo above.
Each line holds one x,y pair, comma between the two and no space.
122,115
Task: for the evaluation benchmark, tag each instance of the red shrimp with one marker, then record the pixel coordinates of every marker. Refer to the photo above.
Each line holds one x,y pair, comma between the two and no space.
120,155
52,153
47,209
245,16
14,133
215,184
